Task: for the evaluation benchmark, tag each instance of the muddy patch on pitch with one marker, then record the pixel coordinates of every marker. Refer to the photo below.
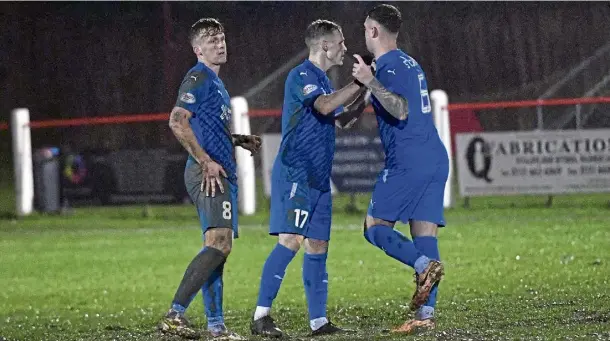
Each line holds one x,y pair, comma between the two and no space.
590,317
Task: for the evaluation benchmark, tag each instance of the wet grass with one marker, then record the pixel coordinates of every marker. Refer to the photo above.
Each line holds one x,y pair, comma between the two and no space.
514,270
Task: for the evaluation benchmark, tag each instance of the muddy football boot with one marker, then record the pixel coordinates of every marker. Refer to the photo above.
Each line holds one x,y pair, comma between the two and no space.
425,281
174,323
415,326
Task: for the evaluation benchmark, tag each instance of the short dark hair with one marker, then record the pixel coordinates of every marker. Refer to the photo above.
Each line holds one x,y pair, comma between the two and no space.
320,28
206,27
387,16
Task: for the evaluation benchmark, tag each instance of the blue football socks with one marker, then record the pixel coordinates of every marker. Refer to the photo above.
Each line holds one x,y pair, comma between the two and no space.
273,274
197,273
428,245
315,280
397,246
212,292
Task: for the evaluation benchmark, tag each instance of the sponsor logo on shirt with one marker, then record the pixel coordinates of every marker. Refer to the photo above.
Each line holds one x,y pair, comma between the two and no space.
187,97
226,113
309,88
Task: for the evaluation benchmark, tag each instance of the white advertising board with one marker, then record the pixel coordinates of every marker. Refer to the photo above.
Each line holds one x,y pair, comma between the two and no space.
540,162
269,148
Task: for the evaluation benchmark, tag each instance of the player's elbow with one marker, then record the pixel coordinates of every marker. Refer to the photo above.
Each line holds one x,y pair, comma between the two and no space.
177,129
177,123
403,111
323,106
398,114
325,110
179,119
174,125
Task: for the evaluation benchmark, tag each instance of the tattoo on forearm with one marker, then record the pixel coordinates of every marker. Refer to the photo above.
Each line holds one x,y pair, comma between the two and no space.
176,116
395,104
184,134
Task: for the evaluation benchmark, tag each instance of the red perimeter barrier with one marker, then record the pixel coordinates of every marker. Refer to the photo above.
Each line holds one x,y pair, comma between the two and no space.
277,112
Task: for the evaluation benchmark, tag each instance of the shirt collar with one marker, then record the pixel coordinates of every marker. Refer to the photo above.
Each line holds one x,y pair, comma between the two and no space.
387,57
311,66
207,69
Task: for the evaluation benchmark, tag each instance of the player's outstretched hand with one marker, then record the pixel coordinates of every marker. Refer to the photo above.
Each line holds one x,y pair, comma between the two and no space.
248,142
211,177
361,71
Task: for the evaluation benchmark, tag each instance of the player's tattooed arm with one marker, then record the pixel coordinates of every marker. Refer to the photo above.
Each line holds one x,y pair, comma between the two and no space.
327,104
180,126
393,103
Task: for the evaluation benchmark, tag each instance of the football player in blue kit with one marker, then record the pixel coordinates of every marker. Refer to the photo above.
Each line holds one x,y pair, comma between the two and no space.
201,121
411,186
300,193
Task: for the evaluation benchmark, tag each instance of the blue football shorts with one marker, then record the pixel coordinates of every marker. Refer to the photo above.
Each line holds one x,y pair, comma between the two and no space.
410,195
296,208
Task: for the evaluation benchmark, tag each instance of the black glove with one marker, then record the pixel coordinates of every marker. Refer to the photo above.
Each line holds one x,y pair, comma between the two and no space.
239,139
368,59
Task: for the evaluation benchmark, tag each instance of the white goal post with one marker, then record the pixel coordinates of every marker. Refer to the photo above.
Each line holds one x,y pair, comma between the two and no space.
22,161
440,111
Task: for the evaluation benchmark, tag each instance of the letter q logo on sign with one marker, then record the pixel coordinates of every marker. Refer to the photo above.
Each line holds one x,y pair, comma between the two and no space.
309,88
478,156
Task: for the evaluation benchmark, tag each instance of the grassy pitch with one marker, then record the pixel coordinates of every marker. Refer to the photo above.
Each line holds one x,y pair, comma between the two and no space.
514,270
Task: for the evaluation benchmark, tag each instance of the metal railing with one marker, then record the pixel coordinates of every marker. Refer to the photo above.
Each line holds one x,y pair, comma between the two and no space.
574,72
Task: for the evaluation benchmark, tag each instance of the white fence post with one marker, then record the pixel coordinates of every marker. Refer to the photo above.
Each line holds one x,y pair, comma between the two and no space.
245,163
22,160
440,101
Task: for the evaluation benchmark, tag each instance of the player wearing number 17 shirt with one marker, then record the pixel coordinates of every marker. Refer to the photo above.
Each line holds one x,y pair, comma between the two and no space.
411,187
300,192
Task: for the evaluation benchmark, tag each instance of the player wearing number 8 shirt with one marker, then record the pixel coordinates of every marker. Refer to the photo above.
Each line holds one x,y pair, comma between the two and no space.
300,182
200,120
411,187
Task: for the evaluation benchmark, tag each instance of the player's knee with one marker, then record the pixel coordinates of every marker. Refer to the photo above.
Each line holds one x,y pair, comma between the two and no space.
291,241
370,222
315,246
225,248
222,247
423,228
220,238
365,228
